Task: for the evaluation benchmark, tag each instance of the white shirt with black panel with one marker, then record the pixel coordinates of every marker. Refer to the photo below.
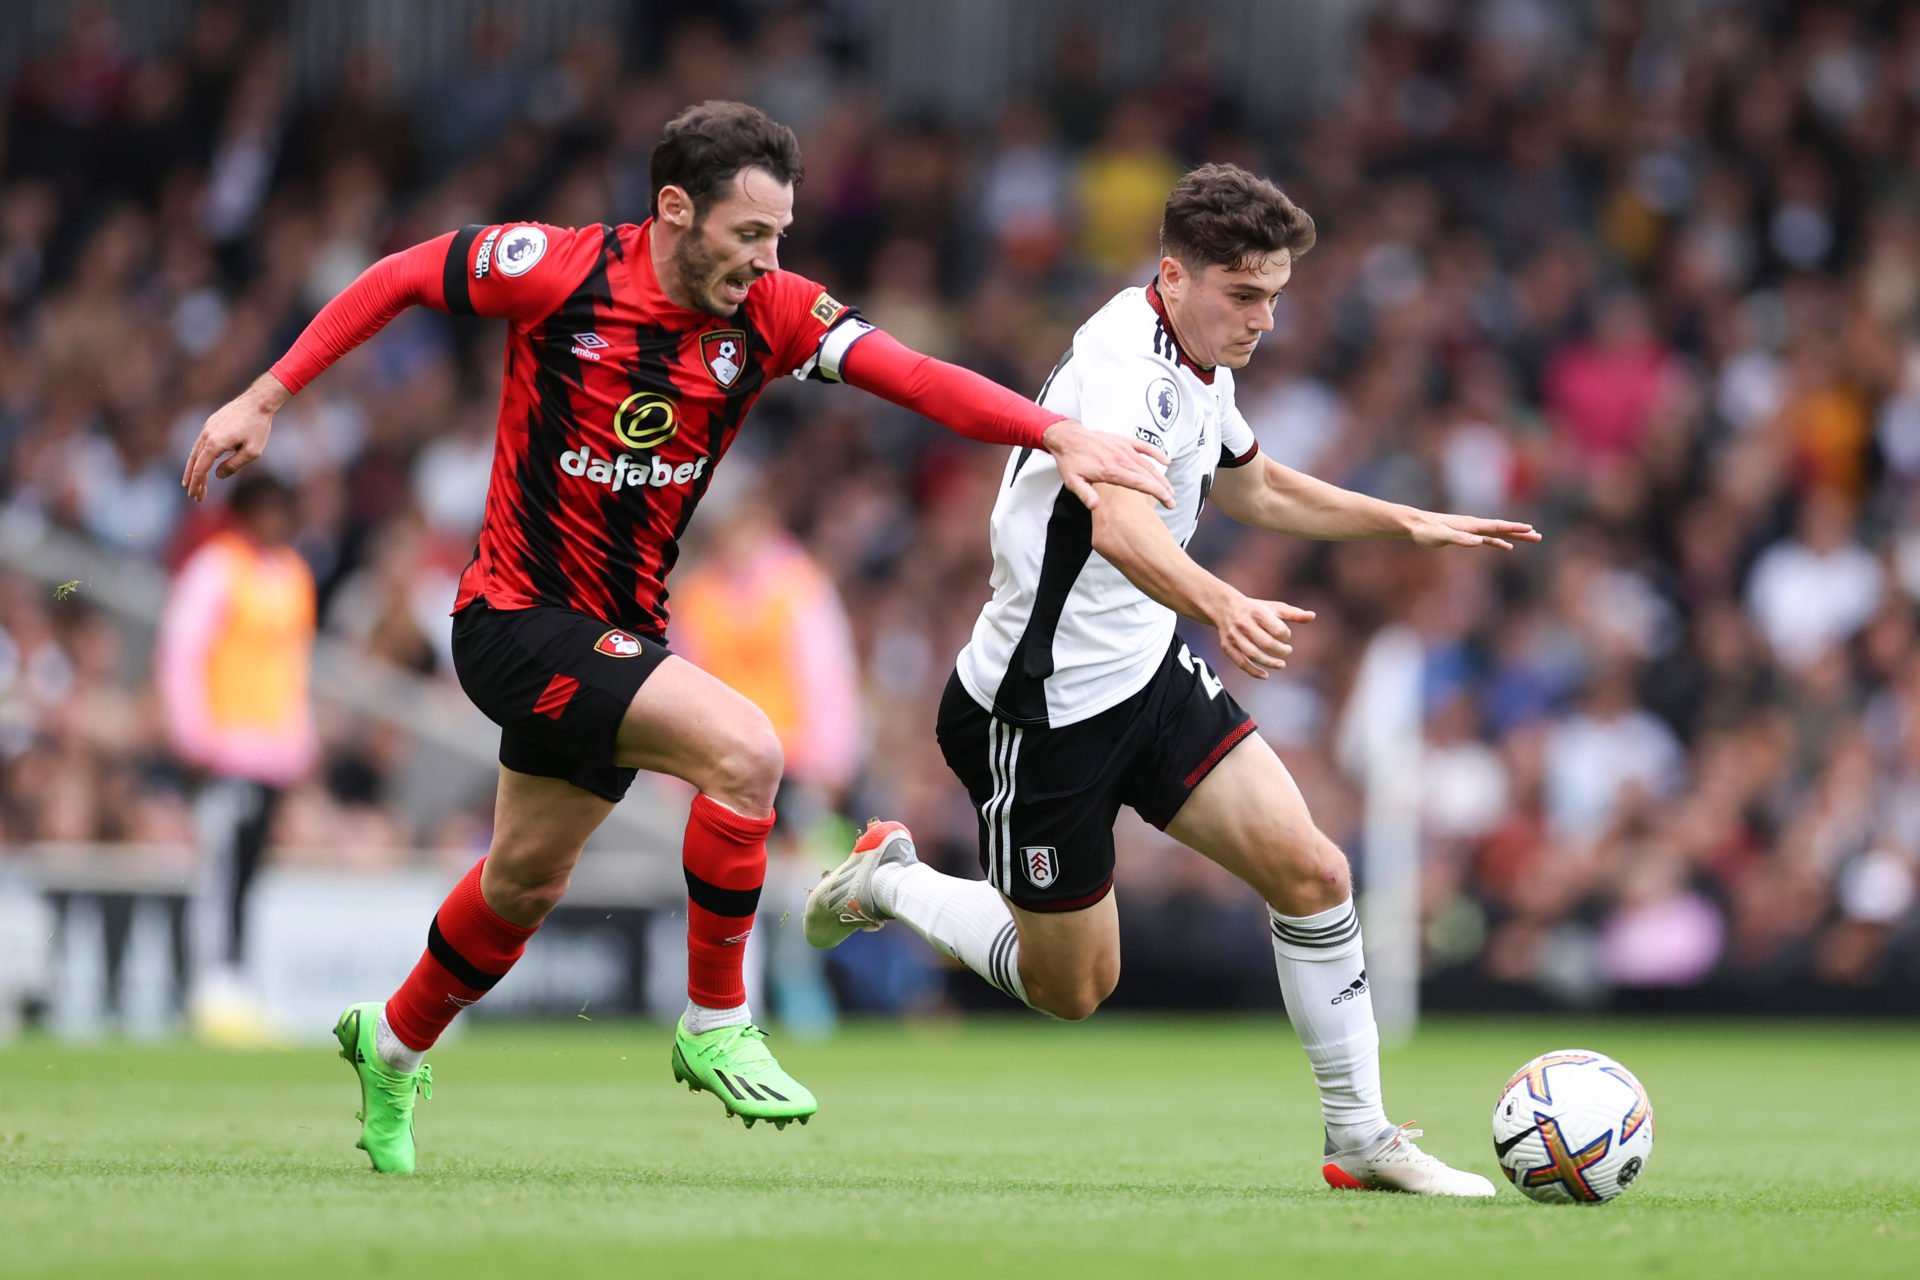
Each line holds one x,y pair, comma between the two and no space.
1066,635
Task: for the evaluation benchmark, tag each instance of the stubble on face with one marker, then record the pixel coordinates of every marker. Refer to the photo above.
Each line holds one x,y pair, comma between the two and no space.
695,268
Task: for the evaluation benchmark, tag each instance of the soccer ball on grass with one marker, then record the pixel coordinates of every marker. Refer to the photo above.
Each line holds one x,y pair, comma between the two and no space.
1572,1127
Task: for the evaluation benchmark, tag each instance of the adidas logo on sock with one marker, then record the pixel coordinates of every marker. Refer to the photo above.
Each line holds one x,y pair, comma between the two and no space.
1355,988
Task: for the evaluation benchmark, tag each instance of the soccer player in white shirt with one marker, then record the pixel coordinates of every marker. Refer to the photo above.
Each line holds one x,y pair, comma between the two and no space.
1075,696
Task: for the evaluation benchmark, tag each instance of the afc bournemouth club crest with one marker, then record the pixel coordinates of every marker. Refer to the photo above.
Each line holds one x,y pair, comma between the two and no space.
618,644
724,352
1041,864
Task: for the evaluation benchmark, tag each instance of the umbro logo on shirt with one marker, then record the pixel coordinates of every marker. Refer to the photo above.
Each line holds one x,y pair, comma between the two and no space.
589,345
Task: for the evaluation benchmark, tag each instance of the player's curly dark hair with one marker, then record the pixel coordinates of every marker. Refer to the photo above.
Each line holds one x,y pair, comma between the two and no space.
1220,213
705,145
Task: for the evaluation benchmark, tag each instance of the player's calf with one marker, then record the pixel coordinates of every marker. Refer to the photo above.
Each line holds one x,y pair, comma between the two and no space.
470,947
1069,961
1073,995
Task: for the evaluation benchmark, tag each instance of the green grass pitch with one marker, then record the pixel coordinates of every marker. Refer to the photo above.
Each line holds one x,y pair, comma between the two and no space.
1120,1147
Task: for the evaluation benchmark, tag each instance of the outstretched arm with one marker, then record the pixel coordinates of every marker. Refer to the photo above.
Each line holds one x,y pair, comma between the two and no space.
981,409
1278,498
520,270
237,432
1255,634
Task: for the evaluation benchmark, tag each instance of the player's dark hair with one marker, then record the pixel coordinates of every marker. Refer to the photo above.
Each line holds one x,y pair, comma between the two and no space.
704,146
1220,213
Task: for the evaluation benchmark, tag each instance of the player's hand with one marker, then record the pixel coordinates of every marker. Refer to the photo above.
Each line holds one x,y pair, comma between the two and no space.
234,436
1086,458
1257,635
1436,529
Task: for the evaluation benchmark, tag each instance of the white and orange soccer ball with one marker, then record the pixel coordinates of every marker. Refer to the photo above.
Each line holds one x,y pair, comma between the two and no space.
1573,1127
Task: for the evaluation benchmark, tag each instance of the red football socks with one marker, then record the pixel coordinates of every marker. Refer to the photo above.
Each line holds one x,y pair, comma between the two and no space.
725,860
469,949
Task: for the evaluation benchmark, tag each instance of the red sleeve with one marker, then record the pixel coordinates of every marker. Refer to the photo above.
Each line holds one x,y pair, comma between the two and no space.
409,278
518,271
816,336
958,399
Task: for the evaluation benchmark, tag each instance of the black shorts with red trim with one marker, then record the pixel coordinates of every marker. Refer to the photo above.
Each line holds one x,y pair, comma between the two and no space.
558,683
1047,797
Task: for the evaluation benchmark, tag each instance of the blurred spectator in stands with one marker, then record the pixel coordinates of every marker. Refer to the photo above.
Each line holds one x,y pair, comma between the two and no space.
757,611
1122,185
233,662
1818,588
1608,753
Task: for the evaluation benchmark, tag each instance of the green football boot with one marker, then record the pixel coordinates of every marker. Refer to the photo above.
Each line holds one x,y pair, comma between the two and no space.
732,1064
386,1095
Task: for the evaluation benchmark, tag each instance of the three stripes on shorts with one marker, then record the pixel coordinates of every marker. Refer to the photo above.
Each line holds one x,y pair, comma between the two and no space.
1003,757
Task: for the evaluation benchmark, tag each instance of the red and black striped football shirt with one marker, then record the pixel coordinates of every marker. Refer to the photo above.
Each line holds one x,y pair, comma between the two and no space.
618,404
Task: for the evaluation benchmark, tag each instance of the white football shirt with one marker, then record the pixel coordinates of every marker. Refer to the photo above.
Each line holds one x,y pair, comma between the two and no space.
1066,635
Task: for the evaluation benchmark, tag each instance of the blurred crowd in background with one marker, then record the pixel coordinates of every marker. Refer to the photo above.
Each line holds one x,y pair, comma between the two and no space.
1647,275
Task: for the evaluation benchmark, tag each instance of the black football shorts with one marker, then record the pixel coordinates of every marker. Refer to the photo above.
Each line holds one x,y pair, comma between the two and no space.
558,683
1047,797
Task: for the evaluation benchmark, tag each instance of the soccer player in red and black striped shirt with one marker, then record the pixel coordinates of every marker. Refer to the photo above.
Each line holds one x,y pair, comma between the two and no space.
633,357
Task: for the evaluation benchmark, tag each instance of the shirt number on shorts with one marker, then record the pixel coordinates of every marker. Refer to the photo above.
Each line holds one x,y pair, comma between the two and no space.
1198,666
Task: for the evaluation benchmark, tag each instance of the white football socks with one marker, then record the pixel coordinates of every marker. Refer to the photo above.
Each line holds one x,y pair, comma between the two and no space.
392,1050
1323,976
699,1019
965,919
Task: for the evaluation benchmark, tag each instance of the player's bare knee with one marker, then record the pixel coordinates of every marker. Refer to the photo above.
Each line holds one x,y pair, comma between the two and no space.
745,773
529,902
1315,879
525,889
1331,873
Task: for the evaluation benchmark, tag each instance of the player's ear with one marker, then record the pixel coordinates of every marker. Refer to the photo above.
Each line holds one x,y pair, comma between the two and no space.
1173,274
676,207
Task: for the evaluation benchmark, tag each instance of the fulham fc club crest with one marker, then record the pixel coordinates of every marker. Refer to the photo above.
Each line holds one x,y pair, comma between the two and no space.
618,644
1041,864
724,352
